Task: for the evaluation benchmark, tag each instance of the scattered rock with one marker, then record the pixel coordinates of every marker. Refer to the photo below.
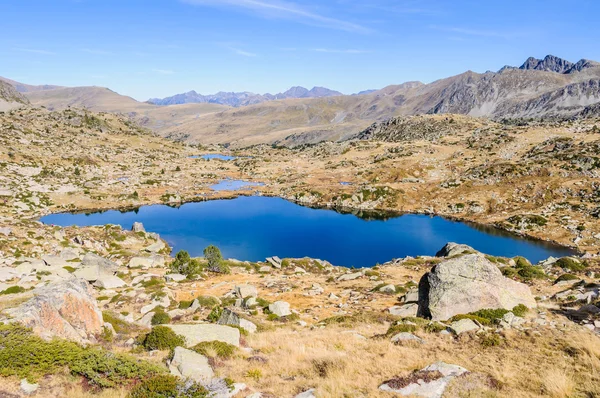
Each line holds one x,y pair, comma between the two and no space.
280,308
463,325
229,317
109,282
138,227
28,388
404,336
349,277
245,291
175,277
198,333
388,289
404,310
274,261
190,364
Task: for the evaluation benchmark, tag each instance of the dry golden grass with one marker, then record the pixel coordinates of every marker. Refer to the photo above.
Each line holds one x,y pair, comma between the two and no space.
338,363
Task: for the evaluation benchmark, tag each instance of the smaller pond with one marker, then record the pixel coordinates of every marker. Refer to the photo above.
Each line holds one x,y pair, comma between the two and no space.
214,156
235,185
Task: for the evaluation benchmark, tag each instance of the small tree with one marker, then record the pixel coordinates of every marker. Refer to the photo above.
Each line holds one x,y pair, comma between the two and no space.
212,254
186,265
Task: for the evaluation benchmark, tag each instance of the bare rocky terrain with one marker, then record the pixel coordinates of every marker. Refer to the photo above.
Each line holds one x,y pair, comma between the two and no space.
107,312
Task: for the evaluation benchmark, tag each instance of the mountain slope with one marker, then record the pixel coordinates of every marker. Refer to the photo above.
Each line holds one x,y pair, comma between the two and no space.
27,88
550,87
10,98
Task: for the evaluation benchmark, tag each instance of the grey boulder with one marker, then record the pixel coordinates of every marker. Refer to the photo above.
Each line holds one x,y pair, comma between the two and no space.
467,284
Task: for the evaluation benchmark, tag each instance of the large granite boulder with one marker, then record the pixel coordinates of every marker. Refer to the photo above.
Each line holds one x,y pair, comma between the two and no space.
466,284
65,309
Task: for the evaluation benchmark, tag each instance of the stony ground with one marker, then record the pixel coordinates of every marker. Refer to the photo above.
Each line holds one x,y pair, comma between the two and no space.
299,325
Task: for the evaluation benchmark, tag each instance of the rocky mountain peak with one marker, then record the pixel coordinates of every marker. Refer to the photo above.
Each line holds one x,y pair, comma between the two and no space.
550,63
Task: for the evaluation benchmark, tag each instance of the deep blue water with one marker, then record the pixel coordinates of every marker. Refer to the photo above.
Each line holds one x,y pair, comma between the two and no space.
214,156
253,228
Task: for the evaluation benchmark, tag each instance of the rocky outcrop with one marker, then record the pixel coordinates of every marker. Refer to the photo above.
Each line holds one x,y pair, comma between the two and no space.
429,382
65,309
467,284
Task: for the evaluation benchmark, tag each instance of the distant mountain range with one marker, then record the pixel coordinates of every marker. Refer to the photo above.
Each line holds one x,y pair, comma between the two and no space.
243,98
554,64
540,88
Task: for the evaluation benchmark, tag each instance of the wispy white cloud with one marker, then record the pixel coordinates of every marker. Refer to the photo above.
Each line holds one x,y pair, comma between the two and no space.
35,51
242,52
284,10
96,51
334,51
163,71
477,32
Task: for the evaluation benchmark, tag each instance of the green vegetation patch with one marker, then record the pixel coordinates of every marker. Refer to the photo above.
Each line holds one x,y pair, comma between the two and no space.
26,355
168,386
215,349
162,338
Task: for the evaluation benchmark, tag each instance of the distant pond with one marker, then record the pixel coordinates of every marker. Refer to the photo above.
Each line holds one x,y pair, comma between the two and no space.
213,156
253,228
234,185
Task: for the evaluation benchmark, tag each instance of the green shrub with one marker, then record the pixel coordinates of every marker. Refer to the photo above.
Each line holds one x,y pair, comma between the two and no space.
566,277
185,304
255,374
207,301
215,314
400,328
492,315
106,369
167,386
520,310
570,264
215,349
490,339
476,318
120,326
524,270
185,265
14,290
162,338
26,355
160,317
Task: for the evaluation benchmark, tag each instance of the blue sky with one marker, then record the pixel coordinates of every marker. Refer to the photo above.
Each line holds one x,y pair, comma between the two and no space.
156,48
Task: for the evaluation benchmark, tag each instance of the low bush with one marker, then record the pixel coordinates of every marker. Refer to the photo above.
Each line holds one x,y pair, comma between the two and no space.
520,310
160,317
120,326
490,339
168,386
215,349
401,328
185,265
570,264
567,277
26,355
13,290
162,338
